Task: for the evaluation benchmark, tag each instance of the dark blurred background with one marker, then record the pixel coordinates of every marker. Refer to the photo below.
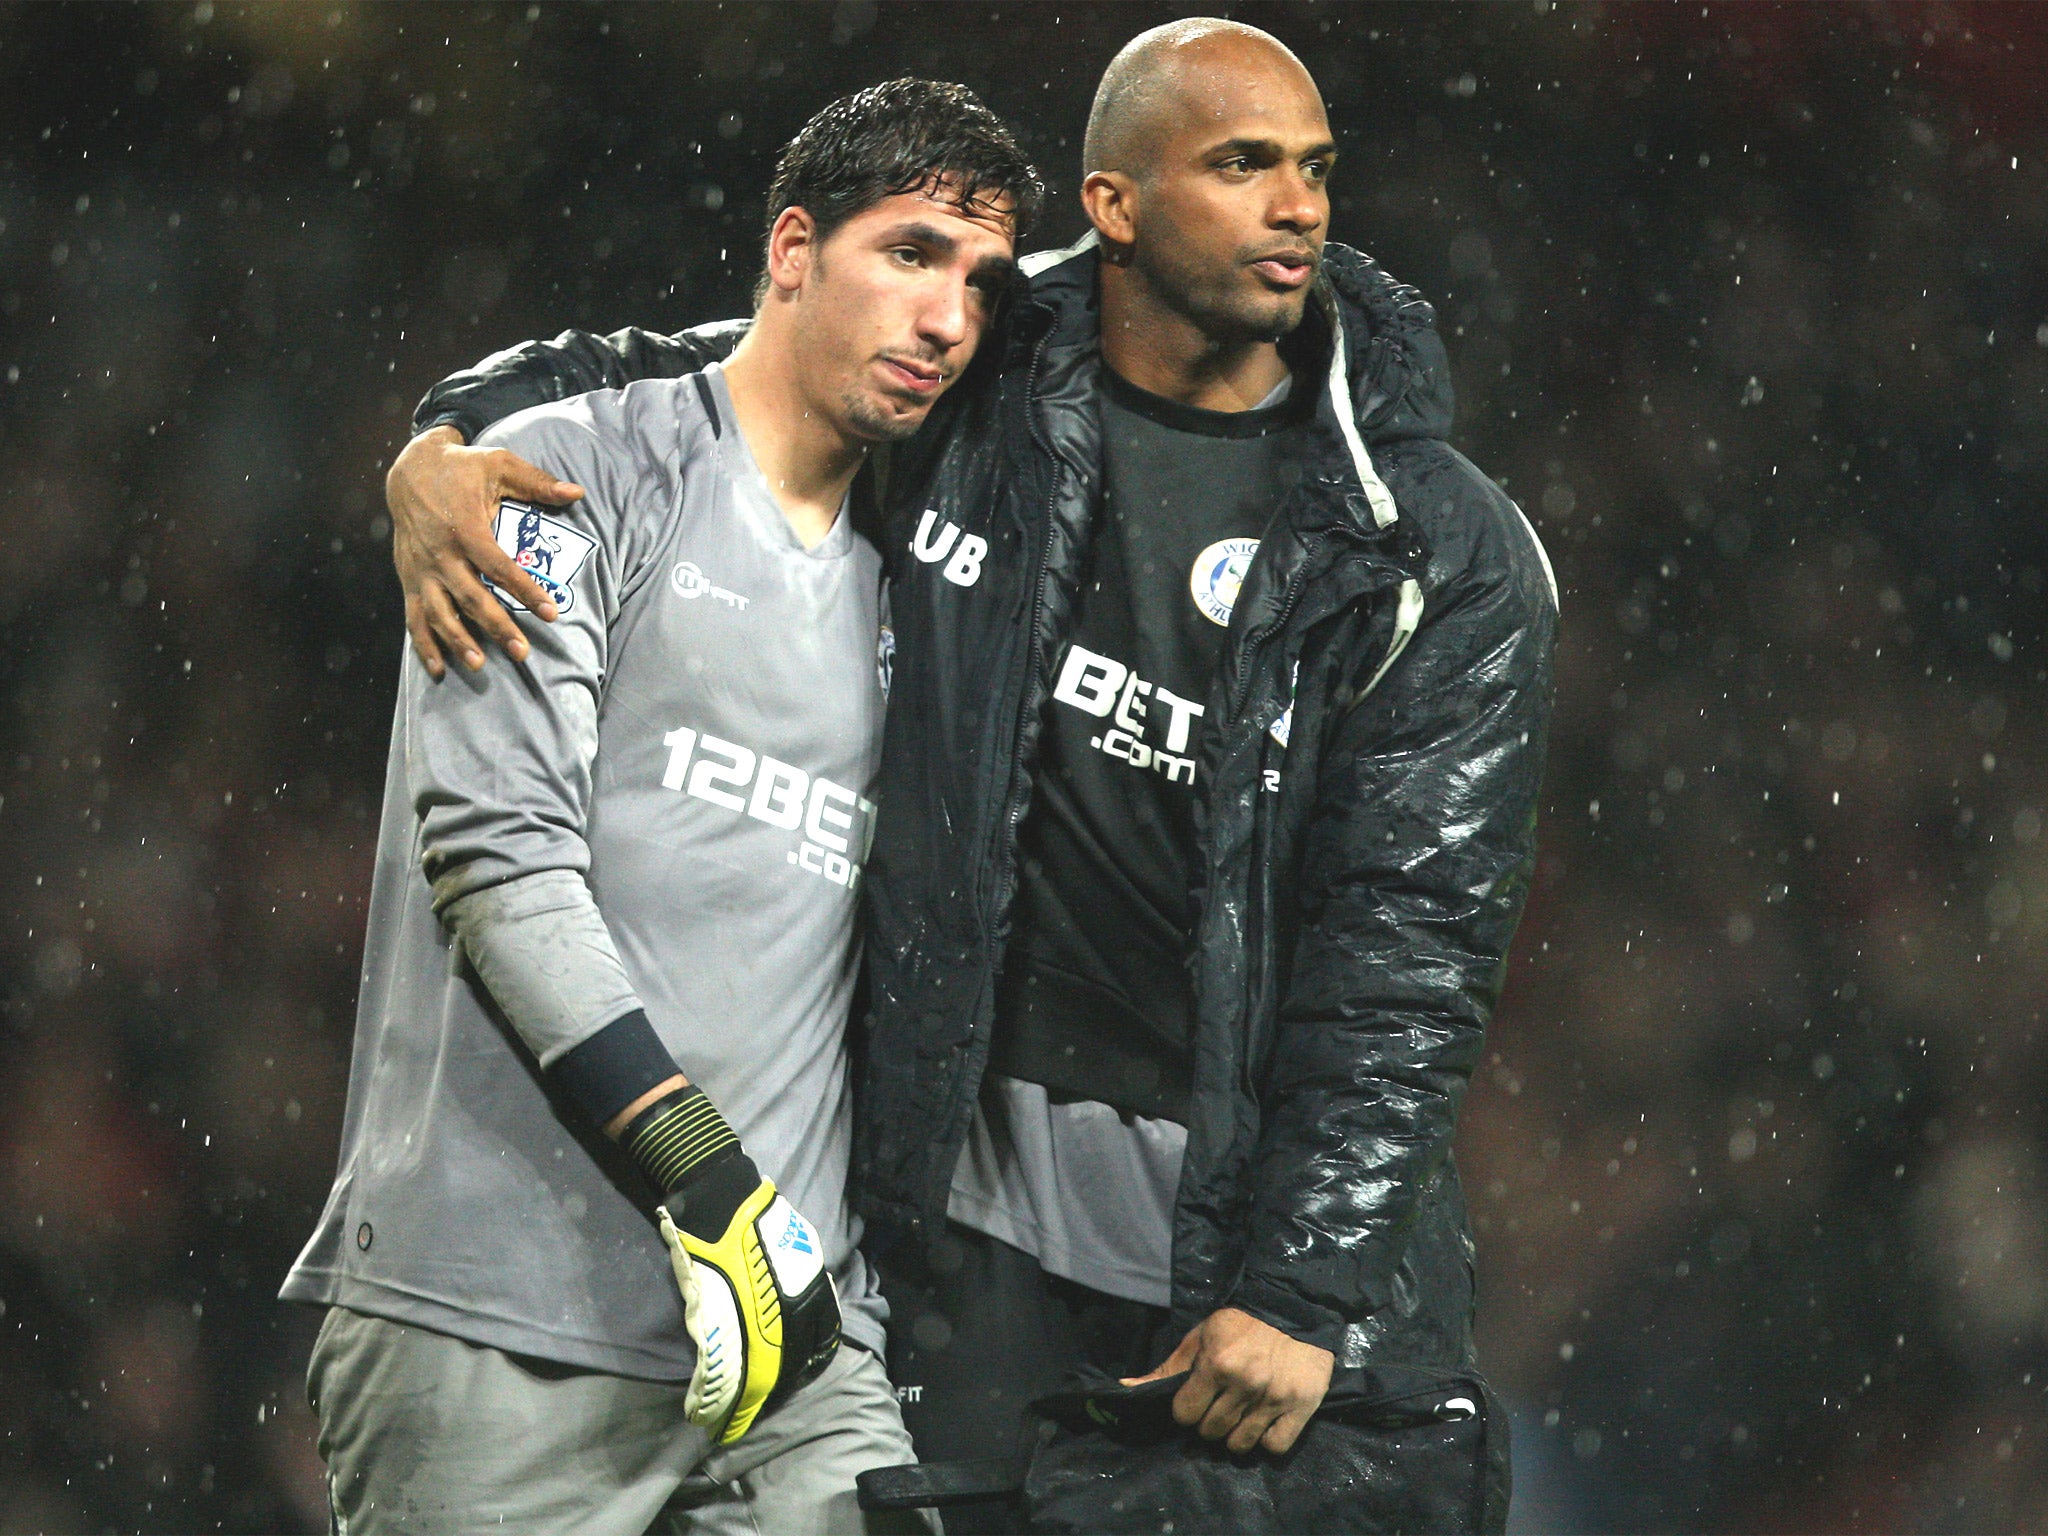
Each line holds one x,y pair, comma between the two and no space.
1748,307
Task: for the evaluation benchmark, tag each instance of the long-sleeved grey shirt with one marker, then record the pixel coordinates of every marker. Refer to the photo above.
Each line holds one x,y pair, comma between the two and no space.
696,737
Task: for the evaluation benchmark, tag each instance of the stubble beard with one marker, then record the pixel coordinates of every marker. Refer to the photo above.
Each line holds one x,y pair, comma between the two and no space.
872,423
1223,310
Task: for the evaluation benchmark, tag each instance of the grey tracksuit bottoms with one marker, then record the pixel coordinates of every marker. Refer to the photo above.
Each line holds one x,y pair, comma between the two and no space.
426,1433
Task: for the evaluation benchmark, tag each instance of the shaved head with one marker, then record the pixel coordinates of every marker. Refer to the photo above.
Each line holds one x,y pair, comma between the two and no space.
1163,75
1207,180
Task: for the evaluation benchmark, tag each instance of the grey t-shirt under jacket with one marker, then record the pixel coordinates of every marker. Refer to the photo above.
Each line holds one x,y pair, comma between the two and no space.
696,735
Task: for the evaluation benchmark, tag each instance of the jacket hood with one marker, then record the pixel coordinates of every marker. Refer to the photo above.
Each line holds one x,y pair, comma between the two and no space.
1401,376
1398,371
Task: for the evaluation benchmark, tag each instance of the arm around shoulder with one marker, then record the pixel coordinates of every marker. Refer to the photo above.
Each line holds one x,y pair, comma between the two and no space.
443,496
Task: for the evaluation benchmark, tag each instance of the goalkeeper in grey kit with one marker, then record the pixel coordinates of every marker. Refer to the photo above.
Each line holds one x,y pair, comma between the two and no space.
612,941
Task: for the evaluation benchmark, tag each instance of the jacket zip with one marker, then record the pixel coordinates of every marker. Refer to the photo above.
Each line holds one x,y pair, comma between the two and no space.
1288,600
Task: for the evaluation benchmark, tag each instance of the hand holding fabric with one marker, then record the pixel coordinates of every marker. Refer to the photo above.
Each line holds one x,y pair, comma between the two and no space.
1248,1384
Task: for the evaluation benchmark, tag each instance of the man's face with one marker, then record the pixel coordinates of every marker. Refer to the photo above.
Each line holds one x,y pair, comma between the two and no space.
1230,220
894,304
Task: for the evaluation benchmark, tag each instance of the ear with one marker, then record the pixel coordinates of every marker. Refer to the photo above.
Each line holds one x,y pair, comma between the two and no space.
1110,199
792,247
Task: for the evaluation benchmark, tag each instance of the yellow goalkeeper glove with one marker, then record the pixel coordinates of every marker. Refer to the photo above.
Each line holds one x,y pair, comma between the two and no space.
757,1299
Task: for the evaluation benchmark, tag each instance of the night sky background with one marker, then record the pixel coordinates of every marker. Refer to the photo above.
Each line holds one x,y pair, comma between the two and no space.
1747,306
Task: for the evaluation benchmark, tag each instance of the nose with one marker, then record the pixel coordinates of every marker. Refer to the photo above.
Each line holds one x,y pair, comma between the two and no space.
944,321
1298,204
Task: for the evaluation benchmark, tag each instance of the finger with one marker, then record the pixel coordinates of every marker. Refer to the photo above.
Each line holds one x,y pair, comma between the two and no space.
484,611
1286,1429
1254,1427
447,625
1197,1395
1182,1358
481,548
523,482
423,637
1226,1411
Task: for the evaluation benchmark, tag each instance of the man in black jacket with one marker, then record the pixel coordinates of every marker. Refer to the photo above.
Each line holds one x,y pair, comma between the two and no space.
1220,691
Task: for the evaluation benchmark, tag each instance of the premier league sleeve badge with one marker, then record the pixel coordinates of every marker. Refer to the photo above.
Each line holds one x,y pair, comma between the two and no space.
549,551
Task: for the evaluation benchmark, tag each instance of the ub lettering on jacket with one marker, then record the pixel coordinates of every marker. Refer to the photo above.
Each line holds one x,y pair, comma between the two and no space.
945,544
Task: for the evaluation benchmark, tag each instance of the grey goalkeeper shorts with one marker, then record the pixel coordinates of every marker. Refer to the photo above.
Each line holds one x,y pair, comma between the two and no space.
423,1433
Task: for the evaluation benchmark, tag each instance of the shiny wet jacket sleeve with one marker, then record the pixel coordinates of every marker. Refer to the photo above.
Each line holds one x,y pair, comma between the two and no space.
574,363
1414,868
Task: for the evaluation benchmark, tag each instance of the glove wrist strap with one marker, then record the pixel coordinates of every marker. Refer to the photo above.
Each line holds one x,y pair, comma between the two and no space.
677,1136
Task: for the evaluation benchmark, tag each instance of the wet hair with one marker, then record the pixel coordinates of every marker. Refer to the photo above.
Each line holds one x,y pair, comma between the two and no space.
900,136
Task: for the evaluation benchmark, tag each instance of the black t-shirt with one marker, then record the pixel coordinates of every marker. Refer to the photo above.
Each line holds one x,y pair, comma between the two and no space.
1095,999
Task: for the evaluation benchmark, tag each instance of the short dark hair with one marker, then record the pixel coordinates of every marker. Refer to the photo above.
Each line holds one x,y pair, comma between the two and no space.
898,137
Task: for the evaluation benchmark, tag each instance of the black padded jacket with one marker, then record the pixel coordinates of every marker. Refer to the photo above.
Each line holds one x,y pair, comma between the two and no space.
1371,756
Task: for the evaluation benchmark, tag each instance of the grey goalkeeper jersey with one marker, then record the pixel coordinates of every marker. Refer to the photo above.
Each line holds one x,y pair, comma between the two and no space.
696,734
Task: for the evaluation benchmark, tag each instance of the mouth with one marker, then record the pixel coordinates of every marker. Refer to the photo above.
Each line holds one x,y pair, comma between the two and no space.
1286,269
913,377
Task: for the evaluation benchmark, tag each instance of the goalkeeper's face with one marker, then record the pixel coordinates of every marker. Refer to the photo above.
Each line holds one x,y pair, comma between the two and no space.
888,308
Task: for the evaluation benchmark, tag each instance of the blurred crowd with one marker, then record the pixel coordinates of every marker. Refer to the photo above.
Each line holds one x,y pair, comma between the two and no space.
1747,305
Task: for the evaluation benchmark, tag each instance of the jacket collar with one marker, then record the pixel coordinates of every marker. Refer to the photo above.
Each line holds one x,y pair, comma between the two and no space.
1370,340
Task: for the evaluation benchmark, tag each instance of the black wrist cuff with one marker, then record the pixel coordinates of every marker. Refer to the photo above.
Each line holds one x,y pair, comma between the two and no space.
615,1066
678,1137
712,1194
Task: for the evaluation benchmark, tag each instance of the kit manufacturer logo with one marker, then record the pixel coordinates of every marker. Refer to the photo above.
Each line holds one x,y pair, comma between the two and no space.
690,582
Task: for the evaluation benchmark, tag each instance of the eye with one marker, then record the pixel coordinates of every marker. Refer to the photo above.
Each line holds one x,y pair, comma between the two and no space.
907,255
1316,170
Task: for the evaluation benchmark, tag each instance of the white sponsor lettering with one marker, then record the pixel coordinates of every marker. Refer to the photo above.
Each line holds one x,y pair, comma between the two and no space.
1103,686
1185,713
736,769
680,744
778,794
1130,709
827,824
1088,681
964,569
